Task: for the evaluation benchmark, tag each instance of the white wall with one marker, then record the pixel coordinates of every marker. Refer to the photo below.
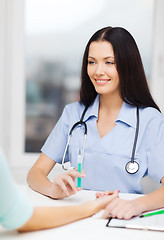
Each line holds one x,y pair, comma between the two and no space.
157,82
11,72
157,76
2,69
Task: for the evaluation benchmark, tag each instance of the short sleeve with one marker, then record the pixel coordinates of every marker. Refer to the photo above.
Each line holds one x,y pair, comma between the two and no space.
55,144
15,210
155,148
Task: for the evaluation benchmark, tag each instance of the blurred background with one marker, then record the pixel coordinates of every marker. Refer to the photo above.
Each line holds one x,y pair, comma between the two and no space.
42,44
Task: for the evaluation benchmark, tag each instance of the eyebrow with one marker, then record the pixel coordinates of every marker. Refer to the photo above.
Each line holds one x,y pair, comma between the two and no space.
104,58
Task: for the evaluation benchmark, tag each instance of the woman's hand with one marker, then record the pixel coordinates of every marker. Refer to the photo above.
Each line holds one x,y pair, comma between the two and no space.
64,185
122,209
105,199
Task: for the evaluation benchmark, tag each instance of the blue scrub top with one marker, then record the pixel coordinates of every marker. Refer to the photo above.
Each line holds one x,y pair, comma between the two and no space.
105,158
15,209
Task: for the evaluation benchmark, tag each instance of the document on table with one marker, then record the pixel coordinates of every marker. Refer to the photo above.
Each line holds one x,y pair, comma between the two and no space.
155,223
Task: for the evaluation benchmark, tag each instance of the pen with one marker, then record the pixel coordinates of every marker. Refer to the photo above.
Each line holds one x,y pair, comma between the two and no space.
152,213
79,169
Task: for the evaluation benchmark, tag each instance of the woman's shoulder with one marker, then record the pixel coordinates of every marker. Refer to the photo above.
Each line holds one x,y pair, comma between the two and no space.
150,114
75,106
74,110
150,111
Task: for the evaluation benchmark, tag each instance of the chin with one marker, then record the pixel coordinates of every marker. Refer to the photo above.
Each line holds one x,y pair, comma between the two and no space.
103,91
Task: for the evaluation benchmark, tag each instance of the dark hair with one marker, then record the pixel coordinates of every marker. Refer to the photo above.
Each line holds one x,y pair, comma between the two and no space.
133,83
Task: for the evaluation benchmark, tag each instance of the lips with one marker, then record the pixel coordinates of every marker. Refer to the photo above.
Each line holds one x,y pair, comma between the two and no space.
102,81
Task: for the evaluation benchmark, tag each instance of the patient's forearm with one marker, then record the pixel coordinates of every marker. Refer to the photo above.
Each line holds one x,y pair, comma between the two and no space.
49,217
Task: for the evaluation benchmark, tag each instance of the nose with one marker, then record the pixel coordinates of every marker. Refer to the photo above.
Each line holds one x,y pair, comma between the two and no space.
100,70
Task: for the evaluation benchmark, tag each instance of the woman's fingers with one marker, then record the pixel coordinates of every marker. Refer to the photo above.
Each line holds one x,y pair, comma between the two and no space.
122,209
64,184
75,174
62,187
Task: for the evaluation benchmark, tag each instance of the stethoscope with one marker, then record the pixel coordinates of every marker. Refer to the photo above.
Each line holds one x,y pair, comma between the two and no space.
131,167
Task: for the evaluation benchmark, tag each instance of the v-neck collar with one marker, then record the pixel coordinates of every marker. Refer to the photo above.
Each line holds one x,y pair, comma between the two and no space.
126,115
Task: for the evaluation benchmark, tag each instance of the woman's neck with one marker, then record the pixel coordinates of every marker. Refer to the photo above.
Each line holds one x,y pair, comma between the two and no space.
110,103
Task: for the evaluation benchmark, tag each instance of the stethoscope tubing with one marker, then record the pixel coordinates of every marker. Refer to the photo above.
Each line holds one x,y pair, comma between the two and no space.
136,136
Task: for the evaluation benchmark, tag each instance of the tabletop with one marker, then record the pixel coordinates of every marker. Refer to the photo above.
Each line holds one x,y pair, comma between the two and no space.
92,228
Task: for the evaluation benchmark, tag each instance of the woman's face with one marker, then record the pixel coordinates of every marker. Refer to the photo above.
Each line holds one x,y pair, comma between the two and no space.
101,68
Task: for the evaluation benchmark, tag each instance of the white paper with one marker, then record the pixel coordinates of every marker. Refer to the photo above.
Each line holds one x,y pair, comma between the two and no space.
155,222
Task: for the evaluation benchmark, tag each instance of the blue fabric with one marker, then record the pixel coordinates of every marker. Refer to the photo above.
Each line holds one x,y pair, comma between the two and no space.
105,158
15,210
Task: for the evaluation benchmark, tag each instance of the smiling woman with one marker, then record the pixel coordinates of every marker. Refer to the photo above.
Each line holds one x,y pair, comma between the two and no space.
55,34
121,122
50,86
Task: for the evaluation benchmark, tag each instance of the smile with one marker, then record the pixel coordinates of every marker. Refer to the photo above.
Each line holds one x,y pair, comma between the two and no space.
102,81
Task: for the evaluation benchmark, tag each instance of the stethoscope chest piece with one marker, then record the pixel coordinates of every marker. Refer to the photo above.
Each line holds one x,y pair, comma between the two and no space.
132,167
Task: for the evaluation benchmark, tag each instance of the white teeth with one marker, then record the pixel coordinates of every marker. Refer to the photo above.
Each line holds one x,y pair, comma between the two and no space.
100,81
